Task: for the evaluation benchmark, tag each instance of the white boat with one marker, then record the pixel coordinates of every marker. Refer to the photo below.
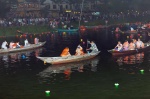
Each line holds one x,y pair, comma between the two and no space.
31,46
78,66
68,59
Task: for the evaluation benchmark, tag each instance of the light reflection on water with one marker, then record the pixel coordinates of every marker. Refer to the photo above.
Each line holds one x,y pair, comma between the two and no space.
10,61
131,59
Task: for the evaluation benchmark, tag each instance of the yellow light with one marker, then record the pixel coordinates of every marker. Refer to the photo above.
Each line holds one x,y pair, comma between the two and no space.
68,10
44,62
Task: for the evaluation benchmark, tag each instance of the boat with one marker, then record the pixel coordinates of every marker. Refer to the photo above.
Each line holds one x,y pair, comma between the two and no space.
130,52
67,30
68,59
61,68
32,46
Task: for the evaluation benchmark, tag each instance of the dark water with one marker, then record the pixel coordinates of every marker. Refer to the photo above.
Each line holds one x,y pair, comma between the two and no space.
23,76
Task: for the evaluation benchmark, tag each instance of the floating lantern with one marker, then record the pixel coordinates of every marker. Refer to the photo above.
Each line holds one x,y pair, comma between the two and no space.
64,33
142,71
47,92
44,62
131,36
140,36
23,56
116,85
127,36
81,40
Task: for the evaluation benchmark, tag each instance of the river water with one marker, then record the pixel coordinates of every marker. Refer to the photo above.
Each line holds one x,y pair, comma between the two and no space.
23,76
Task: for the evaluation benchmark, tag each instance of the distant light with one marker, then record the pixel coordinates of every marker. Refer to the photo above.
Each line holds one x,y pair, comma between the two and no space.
68,10
142,71
47,92
116,85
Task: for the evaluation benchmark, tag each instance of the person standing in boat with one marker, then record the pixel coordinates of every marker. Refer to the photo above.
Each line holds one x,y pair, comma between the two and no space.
119,46
65,52
125,45
139,44
79,50
4,45
93,47
26,43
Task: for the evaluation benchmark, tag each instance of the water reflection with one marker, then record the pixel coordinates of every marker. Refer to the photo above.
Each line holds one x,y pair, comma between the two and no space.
9,62
131,59
67,69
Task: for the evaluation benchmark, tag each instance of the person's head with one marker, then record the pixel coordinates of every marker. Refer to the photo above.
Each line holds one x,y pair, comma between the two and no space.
66,48
119,42
92,42
139,39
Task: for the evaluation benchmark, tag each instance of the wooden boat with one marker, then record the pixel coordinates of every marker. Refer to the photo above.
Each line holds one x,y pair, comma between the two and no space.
78,66
32,46
68,59
129,52
67,30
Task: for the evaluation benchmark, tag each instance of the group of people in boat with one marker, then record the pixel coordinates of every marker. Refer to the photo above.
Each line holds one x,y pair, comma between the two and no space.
79,50
132,45
16,44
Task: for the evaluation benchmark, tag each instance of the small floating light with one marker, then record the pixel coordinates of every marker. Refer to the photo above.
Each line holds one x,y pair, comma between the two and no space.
47,92
116,85
44,62
140,36
142,71
81,40
23,56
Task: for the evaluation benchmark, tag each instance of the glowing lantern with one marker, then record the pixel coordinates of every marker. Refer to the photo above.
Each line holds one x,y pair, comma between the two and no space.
142,71
23,56
127,37
44,62
140,36
82,28
131,36
116,85
47,92
64,33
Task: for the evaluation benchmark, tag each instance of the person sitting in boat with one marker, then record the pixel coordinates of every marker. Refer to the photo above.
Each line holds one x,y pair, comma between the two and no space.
132,29
118,46
125,45
93,47
139,44
131,45
79,50
65,52
36,40
26,43
18,45
11,44
4,45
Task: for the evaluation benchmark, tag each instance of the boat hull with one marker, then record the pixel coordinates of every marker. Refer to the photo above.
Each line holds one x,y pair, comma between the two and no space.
68,59
129,52
32,46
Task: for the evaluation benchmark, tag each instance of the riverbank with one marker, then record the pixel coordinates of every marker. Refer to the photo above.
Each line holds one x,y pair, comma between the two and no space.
36,29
